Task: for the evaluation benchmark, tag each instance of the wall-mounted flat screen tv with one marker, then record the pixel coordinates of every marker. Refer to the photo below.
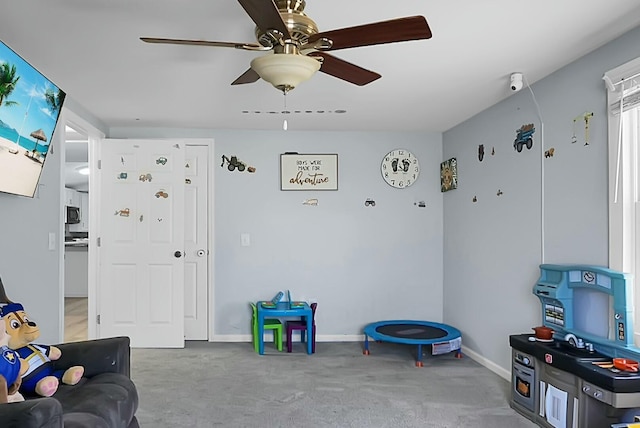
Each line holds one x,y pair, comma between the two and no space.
30,105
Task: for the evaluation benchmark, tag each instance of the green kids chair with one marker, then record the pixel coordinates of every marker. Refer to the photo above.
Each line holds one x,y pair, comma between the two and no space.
269,324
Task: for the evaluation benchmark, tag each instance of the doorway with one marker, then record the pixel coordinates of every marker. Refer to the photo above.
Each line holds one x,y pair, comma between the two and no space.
156,249
76,233
82,142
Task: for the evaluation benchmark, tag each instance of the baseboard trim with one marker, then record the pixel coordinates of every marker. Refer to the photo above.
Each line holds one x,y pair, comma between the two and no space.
505,374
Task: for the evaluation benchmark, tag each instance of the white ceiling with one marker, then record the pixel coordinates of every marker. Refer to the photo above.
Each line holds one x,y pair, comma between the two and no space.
91,49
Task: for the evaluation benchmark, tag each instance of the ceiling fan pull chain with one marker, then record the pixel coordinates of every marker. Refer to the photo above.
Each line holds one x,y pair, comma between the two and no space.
285,125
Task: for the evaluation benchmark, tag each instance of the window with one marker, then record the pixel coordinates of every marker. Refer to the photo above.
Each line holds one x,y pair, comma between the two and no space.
623,84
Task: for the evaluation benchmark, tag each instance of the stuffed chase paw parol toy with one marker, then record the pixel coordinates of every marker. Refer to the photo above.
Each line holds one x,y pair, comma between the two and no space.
40,378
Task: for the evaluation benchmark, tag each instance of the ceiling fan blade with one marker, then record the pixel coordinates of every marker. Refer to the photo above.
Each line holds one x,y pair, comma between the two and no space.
248,76
245,46
345,70
266,15
395,30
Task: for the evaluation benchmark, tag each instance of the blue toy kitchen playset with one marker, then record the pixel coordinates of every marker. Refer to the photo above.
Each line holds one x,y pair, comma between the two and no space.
586,374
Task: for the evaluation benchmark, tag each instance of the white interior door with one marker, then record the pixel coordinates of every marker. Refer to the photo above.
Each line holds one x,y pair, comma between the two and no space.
196,233
141,268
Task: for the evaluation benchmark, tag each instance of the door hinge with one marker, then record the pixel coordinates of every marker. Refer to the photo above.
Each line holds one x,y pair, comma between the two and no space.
98,241
98,319
99,163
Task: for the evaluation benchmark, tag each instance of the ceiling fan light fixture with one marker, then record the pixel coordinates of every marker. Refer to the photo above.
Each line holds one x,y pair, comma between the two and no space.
83,170
285,71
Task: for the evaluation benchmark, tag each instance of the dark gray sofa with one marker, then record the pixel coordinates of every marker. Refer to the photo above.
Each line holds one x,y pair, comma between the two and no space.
105,397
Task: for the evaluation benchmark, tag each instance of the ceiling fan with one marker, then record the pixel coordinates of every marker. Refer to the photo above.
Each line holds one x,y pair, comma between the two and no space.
299,50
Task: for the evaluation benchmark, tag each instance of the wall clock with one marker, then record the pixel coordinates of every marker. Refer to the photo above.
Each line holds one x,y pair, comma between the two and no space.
400,168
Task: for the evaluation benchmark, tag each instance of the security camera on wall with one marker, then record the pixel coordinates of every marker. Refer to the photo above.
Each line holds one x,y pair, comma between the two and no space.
516,82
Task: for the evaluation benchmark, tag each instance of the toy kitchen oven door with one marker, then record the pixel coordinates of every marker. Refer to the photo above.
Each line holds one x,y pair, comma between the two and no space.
523,383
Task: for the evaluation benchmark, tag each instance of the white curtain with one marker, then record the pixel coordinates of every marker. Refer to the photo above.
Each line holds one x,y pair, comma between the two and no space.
623,84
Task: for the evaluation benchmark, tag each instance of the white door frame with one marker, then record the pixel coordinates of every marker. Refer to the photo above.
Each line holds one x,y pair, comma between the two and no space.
210,226
94,135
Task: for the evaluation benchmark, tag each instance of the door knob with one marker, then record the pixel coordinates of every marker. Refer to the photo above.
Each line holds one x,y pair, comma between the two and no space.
177,254
201,253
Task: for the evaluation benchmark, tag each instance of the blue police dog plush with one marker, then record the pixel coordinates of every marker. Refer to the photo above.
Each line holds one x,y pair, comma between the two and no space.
40,378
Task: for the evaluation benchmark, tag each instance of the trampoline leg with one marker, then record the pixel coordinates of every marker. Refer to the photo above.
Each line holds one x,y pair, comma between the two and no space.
419,358
366,345
458,353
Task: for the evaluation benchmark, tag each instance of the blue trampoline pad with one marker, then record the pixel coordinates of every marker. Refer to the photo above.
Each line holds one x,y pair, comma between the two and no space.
411,332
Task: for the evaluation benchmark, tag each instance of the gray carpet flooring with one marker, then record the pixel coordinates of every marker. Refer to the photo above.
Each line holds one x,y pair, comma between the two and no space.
228,385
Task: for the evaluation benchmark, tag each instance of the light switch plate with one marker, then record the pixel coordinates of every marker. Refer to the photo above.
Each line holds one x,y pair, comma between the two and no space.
245,240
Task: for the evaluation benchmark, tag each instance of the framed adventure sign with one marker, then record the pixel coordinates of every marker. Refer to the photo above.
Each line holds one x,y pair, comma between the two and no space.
308,171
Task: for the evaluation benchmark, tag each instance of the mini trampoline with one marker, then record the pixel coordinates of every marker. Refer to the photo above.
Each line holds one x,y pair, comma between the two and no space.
442,337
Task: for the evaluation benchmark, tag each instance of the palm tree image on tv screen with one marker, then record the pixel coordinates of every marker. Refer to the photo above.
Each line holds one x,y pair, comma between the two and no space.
30,105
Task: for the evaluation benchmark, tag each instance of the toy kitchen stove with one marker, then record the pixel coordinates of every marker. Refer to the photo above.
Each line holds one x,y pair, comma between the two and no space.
570,380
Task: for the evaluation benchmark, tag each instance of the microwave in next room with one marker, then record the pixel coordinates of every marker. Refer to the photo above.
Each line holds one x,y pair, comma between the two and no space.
73,215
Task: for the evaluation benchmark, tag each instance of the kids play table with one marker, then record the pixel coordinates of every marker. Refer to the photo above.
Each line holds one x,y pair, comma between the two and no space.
283,310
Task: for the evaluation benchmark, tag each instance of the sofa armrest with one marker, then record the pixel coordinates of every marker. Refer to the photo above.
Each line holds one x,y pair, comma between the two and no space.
37,413
111,355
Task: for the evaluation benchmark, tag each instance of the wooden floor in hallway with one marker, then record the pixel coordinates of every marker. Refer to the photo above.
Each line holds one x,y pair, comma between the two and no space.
75,319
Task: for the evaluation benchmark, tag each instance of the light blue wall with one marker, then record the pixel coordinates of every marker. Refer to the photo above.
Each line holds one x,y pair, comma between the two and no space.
29,270
493,247
361,264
